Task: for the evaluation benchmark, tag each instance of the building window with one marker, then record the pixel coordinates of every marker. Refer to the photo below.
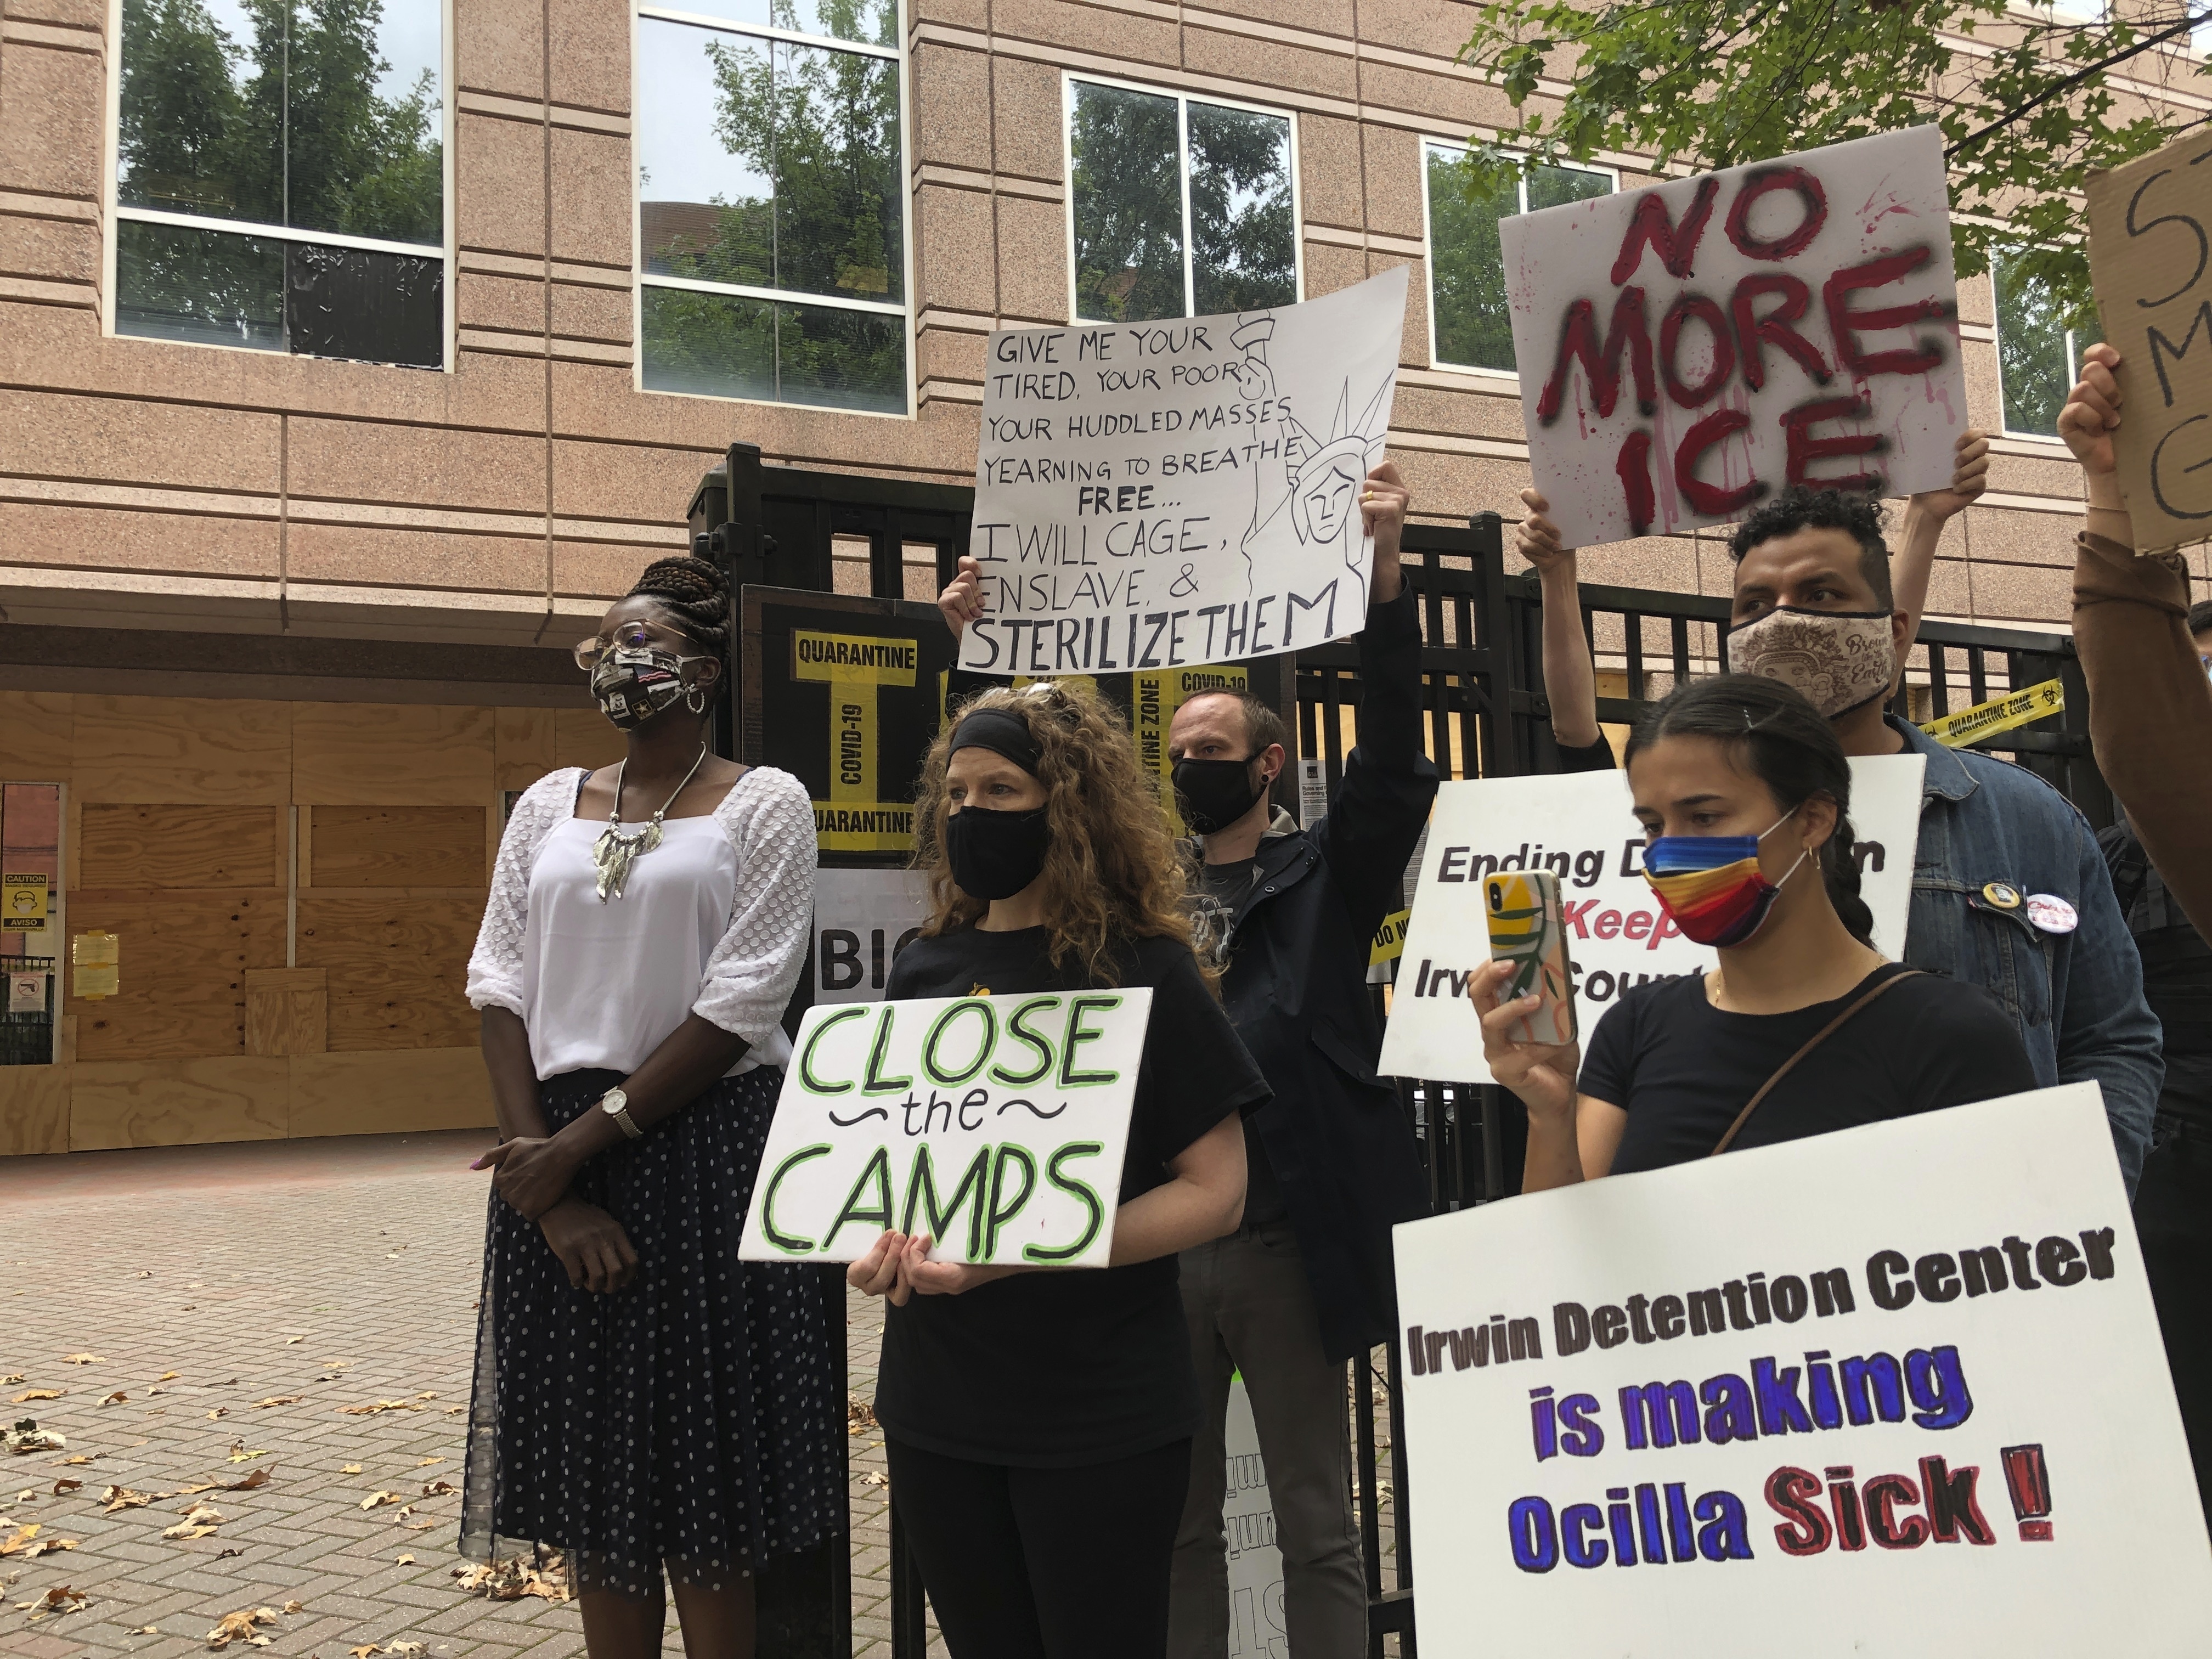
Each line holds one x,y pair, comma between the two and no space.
1471,326
1178,207
2038,357
280,177
772,202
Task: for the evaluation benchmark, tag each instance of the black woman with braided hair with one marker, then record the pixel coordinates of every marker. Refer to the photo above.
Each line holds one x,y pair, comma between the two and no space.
645,1402
1745,796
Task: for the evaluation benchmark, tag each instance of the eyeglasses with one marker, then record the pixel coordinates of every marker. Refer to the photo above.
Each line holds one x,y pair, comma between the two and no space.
627,636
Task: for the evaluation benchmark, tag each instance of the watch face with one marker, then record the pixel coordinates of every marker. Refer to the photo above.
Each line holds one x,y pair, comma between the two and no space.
614,1101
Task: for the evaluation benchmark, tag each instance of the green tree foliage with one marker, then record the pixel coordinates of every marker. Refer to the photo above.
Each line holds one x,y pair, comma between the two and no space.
288,128
2027,109
1243,241
1128,205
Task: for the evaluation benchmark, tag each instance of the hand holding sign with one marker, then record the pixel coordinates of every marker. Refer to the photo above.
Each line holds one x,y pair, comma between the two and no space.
1541,1073
2090,419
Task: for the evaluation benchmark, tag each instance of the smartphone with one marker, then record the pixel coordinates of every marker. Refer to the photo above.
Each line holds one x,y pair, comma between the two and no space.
1522,907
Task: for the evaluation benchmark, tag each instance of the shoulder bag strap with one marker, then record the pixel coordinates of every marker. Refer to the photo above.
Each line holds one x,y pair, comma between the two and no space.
1789,1065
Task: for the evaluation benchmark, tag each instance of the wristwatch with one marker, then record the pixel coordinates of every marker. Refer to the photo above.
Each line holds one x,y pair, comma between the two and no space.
615,1104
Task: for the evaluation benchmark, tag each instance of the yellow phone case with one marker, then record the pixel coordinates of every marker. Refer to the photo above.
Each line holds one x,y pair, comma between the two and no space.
1522,908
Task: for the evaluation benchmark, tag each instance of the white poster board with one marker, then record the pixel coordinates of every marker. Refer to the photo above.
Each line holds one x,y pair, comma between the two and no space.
1156,495
1687,348
1578,824
1257,1626
1782,1387
995,1125
862,920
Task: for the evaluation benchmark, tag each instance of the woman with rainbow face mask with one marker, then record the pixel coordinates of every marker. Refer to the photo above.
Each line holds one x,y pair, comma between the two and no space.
1744,795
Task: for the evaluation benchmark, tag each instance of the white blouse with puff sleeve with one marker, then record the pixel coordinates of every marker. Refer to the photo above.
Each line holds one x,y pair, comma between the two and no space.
713,921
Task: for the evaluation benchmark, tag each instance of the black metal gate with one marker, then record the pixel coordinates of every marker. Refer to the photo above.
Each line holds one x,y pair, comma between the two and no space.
1487,716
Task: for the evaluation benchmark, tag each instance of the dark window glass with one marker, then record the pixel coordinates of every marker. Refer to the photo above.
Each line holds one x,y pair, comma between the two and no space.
1244,237
724,345
218,288
1467,277
769,164
1126,202
312,114
2037,354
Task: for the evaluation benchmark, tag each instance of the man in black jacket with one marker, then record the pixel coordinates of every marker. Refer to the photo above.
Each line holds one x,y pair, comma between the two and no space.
1305,1282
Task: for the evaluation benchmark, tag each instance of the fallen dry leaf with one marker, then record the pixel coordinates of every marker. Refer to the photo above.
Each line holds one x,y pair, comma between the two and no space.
66,1485
220,1554
367,1650
73,1462
118,1398
375,1407
278,1400
403,1561
258,1478
25,1542
239,1454
450,1410
15,1542
26,1436
11,1379
122,1497
859,1415
60,1599
144,1630
82,1360
148,1273
404,1649
220,1411
350,1468
420,1526
199,1520
168,1376
875,1478
295,1606
376,1498
240,1626
510,1581
29,1394
438,1489
289,1341
426,1461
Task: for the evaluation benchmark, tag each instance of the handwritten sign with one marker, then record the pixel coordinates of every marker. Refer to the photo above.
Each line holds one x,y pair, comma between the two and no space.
1689,349
1578,825
995,1125
2150,260
1897,1391
1152,496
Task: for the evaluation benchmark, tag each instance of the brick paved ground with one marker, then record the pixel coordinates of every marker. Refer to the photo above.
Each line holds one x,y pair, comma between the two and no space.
321,1274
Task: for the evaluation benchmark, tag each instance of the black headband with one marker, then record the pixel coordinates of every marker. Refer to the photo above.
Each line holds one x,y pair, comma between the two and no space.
1003,734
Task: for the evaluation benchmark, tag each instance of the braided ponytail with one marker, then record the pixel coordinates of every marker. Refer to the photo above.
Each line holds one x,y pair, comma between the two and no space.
694,595
1840,870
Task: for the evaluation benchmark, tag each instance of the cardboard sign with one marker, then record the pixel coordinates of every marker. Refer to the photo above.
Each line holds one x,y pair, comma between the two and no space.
1579,825
862,920
2150,259
1152,496
1688,348
1999,715
995,1125
1895,1391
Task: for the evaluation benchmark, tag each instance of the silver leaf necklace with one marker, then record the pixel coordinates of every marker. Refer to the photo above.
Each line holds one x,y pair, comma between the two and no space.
613,852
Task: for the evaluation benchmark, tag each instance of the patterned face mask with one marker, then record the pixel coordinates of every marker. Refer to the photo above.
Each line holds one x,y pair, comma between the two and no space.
1838,659
1712,886
632,684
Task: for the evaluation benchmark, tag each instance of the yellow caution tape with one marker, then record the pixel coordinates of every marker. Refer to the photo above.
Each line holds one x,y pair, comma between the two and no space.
1390,939
1999,715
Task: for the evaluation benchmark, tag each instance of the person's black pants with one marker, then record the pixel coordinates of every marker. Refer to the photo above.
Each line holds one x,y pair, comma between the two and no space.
1045,1564
2173,1220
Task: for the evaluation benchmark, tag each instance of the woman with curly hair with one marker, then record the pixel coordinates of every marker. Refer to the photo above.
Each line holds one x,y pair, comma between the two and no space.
1039,1421
644,1401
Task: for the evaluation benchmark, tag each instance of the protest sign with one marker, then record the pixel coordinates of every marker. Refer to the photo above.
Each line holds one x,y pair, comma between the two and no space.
1151,495
1578,826
862,920
1258,1628
1894,1391
1687,348
995,1125
2150,260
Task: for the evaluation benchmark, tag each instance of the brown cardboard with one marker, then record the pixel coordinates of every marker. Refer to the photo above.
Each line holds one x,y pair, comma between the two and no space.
2150,259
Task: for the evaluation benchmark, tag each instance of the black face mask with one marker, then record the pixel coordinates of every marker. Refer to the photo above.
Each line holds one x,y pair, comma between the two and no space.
996,854
1215,793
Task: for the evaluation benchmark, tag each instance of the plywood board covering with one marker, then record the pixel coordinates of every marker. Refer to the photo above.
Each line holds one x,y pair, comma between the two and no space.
33,1110
197,847
388,1093
178,1103
37,740
183,971
365,754
399,963
582,737
196,750
397,846
287,1010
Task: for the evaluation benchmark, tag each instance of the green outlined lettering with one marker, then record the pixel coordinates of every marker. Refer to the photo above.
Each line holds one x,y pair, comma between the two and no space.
943,1023
1021,1032
1077,1036
875,1083
878,1169
973,1191
789,1243
1075,1189
815,1084
1002,1213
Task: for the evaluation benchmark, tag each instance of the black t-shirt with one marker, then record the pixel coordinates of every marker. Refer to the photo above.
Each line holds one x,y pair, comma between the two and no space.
1682,1069
1221,888
1062,1367
1589,757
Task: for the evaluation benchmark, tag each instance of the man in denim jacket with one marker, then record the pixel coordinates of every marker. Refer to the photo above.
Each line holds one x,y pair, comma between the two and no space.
1814,607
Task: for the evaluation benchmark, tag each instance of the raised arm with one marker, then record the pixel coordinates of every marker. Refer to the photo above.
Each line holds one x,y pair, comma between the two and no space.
1925,515
1570,675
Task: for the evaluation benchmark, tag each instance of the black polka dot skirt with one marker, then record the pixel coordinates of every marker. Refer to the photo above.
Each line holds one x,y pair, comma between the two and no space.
691,1423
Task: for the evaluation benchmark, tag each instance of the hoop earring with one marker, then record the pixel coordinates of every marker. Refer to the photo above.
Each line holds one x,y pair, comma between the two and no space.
696,700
